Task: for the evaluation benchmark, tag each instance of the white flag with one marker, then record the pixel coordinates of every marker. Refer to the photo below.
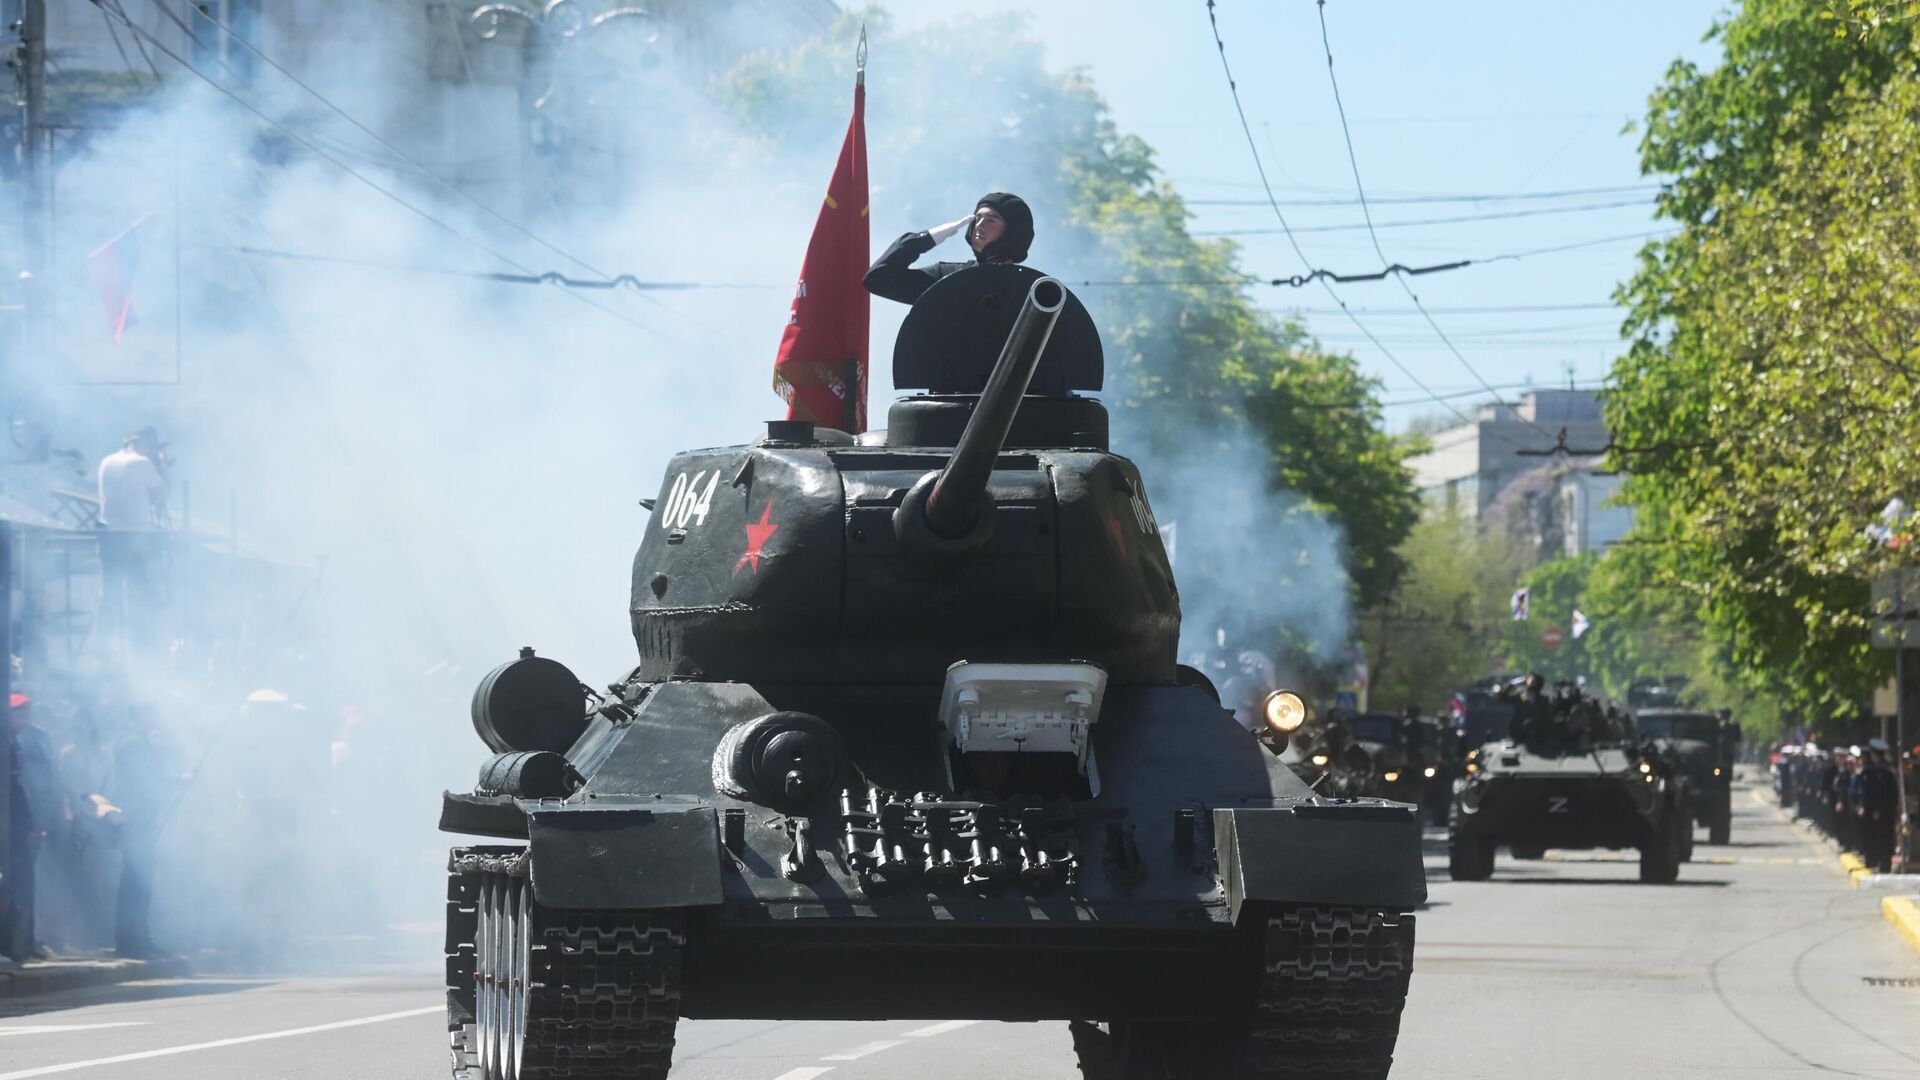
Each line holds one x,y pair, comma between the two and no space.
1520,605
1580,624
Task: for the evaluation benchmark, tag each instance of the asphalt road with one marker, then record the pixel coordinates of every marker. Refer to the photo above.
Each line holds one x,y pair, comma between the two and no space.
1761,962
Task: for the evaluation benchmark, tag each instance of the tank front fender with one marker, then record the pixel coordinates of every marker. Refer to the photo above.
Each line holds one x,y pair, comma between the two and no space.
1362,854
632,858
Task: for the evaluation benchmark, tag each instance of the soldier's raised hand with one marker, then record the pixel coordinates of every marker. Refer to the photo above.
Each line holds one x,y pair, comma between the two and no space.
940,233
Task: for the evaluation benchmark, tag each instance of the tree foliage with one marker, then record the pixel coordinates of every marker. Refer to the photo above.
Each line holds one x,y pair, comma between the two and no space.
1194,368
1441,629
1767,402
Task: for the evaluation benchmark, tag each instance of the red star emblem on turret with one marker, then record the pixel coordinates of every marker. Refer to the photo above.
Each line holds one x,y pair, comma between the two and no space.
757,537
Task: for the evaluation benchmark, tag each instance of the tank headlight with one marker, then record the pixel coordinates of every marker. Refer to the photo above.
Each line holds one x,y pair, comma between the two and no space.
1646,766
1392,776
1432,772
1320,760
1284,711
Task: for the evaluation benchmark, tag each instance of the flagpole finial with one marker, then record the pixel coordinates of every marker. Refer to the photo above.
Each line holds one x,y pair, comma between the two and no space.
860,58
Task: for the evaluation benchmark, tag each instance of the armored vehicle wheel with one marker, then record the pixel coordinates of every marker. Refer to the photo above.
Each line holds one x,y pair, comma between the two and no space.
534,994
1327,1005
1686,839
1660,860
1720,829
1469,858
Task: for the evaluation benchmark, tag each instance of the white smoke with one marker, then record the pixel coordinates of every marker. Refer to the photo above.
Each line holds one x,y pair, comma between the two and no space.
431,470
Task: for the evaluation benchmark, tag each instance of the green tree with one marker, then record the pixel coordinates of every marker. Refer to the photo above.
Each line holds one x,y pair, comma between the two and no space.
1195,368
1765,407
1442,627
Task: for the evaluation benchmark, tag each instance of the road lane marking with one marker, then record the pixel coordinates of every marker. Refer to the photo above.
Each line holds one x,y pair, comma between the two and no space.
805,1072
938,1029
861,1051
54,1029
169,1051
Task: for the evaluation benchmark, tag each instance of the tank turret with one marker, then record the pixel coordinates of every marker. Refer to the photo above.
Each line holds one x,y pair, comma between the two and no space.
953,505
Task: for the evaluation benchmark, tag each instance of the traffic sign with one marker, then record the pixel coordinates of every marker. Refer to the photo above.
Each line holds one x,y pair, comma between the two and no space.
1551,637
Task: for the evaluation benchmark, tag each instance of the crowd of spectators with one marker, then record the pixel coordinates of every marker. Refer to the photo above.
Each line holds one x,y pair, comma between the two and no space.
88,792
182,786
1849,793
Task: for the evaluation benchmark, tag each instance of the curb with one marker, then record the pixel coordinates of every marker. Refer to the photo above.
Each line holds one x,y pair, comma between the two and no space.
39,977
1854,867
1904,914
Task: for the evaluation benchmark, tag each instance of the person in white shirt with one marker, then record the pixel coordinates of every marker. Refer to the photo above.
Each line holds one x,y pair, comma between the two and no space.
133,494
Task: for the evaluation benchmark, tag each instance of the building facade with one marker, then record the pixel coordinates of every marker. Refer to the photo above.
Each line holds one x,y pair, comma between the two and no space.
1502,469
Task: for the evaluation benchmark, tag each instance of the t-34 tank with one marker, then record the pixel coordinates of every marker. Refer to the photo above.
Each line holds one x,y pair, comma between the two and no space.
907,739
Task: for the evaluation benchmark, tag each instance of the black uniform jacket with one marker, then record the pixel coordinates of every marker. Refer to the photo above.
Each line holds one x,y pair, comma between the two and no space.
894,276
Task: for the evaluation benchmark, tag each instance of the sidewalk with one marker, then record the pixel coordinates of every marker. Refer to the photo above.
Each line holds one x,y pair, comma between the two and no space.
37,977
1902,909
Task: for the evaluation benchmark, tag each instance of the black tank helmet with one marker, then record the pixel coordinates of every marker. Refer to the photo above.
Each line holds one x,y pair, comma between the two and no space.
1018,237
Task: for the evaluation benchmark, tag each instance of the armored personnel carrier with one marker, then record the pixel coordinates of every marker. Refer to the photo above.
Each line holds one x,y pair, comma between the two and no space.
1556,785
907,739
1704,744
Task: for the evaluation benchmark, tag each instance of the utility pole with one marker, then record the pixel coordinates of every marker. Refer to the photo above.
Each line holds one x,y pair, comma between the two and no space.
36,205
34,235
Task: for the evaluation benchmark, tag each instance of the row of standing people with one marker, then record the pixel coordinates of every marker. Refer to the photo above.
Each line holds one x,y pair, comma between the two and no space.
1848,792
86,799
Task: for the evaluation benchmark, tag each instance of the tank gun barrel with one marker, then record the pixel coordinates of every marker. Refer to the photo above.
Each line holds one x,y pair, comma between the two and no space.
961,488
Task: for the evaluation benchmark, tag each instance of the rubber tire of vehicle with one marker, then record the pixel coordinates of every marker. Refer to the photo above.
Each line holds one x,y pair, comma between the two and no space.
1660,860
1721,830
1468,859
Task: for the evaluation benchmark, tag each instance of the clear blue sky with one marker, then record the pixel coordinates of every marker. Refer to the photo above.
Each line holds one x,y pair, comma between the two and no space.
1480,98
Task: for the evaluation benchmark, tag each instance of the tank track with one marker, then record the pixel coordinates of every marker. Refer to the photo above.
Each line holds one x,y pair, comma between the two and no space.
602,988
1331,989
1327,1000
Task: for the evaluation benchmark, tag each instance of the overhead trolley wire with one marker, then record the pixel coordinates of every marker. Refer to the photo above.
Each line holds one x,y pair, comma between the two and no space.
1409,223
1383,200
421,212
1295,281
1322,276
1366,213
626,281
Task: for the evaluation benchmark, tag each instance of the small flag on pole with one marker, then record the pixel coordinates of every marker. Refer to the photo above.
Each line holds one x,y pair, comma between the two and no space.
114,266
1521,605
1580,624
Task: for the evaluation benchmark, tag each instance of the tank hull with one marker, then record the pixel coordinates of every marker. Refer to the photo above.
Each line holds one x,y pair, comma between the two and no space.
1140,910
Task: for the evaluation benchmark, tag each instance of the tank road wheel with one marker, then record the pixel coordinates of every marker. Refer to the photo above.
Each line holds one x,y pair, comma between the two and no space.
1327,1004
534,994
1469,858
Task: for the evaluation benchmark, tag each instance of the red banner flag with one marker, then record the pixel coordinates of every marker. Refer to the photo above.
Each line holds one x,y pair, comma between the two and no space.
821,369
113,268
